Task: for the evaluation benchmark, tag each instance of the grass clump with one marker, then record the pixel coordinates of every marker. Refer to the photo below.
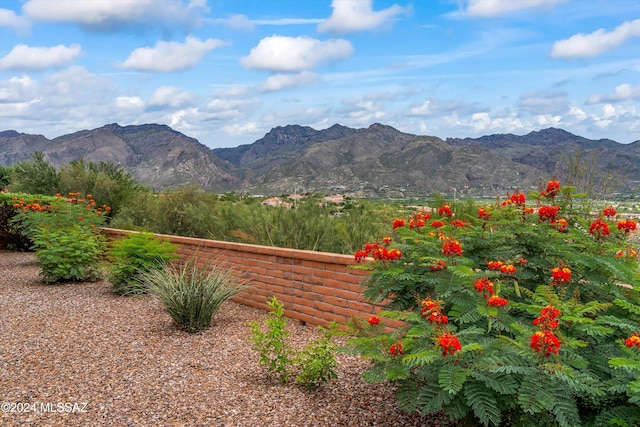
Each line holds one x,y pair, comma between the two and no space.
192,294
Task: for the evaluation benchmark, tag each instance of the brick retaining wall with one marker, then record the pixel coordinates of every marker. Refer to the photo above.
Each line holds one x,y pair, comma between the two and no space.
315,287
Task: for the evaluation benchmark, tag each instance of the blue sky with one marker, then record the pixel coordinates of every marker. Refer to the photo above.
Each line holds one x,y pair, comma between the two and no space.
226,72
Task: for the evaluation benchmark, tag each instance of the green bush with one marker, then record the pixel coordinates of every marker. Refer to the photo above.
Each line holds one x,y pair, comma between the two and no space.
136,253
513,317
11,204
191,294
64,233
315,364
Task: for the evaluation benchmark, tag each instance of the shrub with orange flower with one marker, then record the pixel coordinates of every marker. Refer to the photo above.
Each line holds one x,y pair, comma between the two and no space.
397,223
438,265
633,340
495,265
496,301
437,224
483,213
508,269
560,275
484,286
374,320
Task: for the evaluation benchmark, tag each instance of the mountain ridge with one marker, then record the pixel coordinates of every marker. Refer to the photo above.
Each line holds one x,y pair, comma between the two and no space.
375,161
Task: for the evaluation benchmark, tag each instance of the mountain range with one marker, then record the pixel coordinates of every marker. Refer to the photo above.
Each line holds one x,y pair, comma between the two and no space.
377,161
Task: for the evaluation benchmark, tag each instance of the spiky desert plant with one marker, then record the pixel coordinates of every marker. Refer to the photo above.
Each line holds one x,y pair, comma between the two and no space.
192,294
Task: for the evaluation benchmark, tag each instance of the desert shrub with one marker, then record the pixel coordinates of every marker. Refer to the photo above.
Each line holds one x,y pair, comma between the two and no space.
312,366
514,316
35,176
11,231
136,253
192,294
64,234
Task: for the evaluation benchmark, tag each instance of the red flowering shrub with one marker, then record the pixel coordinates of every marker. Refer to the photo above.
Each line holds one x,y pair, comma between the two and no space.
527,326
445,210
609,212
626,225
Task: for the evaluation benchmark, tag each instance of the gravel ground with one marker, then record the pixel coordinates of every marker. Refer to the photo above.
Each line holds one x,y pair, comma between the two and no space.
79,355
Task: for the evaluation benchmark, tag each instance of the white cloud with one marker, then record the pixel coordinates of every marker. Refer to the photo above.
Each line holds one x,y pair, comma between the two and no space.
349,15
622,92
488,8
542,102
421,110
109,14
280,53
129,102
578,113
171,56
596,43
23,57
285,81
548,120
172,97
9,19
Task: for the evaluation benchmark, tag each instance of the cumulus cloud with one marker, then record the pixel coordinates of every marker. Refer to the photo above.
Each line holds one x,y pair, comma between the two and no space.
280,53
596,43
104,15
284,81
622,92
349,15
23,57
129,102
9,19
171,97
489,8
171,56
421,110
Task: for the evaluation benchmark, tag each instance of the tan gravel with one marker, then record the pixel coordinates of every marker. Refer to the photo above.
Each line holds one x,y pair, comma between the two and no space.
78,355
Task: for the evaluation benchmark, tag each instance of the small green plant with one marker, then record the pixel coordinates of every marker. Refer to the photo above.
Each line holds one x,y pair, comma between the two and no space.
134,254
315,364
317,361
275,352
192,294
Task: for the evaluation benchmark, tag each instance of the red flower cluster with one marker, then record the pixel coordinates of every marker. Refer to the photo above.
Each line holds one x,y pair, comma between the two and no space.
458,223
378,252
449,343
548,318
522,261
627,225
437,224
599,228
545,338
497,301
445,210
560,274
633,340
433,311
438,265
396,349
397,223
553,187
484,286
628,251
560,225
516,198
484,214
387,240
548,213
374,320
419,219
451,247
495,265
507,269
609,212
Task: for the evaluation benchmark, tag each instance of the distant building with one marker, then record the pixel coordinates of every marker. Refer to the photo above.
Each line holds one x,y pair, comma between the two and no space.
336,198
277,202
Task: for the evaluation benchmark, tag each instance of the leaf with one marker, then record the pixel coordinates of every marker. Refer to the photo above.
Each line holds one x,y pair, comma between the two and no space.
451,378
482,402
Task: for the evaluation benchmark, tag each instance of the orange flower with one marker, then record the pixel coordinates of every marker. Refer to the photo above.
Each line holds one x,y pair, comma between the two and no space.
599,228
633,340
397,223
495,265
497,301
560,274
438,265
445,210
484,286
627,225
396,349
508,269
609,212
437,224
458,223
545,340
548,213
553,187
374,320
451,247
483,214
449,343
